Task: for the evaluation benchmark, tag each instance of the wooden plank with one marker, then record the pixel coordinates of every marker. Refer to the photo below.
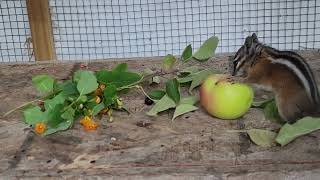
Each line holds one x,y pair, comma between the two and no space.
194,145
41,29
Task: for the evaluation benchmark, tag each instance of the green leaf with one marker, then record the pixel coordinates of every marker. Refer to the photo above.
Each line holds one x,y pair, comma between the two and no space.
83,99
87,82
207,49
49,104
189,100
191,69
156,79
147,72
261,137
173,90
97,108
304,126
156,94
68,113
182,109
43,83
147,75
196,78
34,115
121,67
199,77
168,62
163,104
54,116
72,98
260,104
76,75
60,127
187,53
118,79
186,79
271,112
109,94
90,104
69,88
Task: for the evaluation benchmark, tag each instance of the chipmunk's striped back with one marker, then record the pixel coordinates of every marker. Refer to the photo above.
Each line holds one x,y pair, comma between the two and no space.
299,67
285,73
252,48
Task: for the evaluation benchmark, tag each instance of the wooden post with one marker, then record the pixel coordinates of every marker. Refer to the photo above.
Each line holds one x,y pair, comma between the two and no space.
41,29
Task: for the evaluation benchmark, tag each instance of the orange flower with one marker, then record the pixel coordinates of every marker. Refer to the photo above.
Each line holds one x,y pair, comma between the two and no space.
91,126
88,123
86,120
40,128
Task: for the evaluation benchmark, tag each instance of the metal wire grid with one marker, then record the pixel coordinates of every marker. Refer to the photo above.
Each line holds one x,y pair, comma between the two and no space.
99,29
15,39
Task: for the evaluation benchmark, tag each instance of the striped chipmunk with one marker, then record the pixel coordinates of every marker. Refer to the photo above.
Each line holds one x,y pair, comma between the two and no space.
285,73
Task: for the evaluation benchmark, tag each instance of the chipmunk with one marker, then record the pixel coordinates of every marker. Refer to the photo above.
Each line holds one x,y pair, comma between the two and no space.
285,73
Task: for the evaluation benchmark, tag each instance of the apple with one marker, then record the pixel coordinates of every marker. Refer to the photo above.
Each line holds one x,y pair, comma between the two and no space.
223,99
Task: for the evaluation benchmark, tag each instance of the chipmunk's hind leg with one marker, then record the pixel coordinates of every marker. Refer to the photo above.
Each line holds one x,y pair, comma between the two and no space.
296,110
293,114
289,110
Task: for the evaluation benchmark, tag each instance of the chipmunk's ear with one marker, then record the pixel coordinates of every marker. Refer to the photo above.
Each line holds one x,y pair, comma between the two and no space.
254,37
248,42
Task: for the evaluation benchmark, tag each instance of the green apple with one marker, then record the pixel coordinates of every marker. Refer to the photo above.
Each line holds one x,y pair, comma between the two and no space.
223,99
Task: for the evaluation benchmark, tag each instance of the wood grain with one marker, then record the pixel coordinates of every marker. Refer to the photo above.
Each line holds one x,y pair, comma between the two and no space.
194,146
41,29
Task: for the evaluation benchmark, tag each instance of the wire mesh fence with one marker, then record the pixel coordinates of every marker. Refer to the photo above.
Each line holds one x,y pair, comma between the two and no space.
99,29
15,39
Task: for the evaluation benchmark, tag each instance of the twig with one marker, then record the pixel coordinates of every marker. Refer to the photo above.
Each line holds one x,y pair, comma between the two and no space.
141,88
30,102
21,106
71,104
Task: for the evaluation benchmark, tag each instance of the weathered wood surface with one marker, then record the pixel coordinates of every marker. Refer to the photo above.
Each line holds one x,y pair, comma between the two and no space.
194,146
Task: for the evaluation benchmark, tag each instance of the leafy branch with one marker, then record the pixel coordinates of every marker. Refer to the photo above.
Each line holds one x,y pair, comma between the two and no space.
193,76
90,94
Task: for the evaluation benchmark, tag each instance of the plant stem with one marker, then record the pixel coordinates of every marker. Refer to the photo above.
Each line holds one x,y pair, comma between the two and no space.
141,88
64,109
21,106
30,102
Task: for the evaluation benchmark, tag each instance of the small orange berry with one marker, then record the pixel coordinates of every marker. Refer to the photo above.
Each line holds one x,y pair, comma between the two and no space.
98,100
40,128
